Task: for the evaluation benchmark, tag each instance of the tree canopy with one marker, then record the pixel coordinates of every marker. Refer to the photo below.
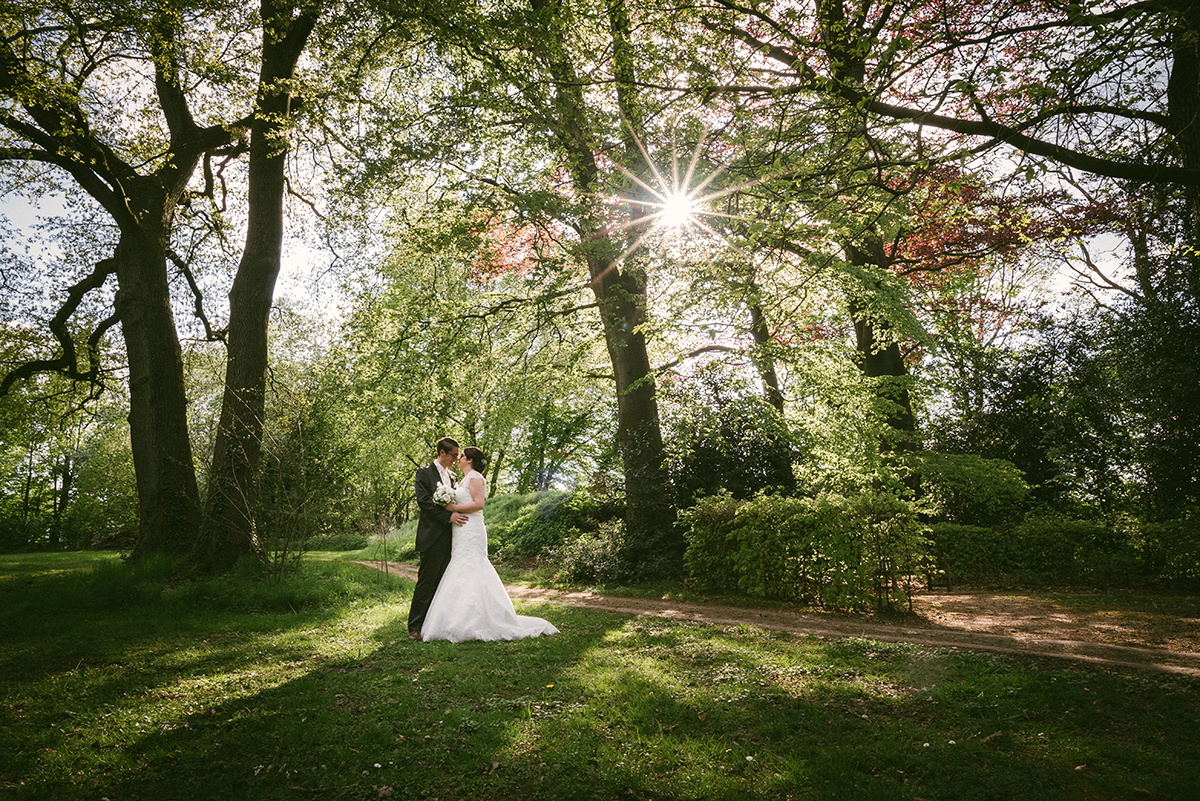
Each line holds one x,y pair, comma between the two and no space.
649,249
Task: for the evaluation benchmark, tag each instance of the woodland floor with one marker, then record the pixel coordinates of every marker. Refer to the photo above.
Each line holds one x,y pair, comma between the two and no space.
1001,621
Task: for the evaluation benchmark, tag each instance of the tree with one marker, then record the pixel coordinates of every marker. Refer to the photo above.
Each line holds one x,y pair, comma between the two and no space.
459,332
1090,70
576,83
138,169
228,529
48,121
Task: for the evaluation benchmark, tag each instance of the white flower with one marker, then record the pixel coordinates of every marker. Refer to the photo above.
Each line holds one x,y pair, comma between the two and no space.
443,494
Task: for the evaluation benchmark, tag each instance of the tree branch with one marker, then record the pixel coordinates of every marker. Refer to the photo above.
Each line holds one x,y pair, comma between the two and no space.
996,132
210,333
67,363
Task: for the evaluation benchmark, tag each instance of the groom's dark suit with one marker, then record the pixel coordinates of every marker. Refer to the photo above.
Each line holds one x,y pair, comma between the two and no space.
433,543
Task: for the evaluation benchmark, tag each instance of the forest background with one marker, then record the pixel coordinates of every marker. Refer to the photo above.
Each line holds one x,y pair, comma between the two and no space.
809,298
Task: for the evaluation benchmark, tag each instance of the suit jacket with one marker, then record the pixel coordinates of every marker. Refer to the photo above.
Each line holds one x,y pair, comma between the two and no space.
434,522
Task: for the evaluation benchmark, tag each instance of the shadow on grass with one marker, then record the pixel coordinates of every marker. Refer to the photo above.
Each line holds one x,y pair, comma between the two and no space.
199,702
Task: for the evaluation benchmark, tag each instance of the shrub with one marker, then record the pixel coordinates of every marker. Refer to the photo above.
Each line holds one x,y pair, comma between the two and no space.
725,437
970,490
593,556
556,517
1057,549
971,553
711,551
1048,549
839,552
18,534
1171,551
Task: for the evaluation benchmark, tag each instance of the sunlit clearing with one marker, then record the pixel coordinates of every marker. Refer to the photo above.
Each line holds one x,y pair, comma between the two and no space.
677,210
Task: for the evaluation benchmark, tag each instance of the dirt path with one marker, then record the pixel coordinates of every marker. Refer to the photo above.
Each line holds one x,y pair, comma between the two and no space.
1001,622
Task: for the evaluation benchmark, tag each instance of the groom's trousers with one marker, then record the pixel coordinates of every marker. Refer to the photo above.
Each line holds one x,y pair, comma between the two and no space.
433,564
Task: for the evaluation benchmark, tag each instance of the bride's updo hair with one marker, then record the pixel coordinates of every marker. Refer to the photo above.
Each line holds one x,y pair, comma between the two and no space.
476,457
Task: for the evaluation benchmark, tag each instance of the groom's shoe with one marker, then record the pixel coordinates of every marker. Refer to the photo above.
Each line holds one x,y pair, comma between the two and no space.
414,635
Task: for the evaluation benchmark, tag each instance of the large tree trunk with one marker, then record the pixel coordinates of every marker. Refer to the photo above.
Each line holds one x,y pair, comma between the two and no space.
229,521
168,497
648,518
652,544
1183,95
620,289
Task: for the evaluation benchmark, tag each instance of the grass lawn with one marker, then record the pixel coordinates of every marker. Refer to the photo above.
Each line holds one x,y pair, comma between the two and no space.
118,685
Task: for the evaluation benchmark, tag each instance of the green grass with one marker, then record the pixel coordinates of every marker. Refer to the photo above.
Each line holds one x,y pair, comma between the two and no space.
123,686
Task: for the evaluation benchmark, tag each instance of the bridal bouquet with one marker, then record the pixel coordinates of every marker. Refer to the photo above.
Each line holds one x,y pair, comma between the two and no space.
444,494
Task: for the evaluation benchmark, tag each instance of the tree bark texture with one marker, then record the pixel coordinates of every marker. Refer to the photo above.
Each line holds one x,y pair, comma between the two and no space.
168,496
1183,95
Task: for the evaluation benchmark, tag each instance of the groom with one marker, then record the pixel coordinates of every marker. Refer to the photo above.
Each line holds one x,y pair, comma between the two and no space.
433,532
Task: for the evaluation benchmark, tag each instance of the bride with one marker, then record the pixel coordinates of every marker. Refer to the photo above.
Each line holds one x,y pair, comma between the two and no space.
470,602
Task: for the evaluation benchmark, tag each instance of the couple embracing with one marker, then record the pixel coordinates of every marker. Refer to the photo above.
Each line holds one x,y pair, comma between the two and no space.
459,596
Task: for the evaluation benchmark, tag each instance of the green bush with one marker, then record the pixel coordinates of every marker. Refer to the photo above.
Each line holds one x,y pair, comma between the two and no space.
839,552
970,490
711,554
970,553
544,526
18,535
1171,550
1061,550
593,556
720,428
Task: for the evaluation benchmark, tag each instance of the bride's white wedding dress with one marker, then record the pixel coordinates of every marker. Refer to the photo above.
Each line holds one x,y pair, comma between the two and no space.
470,602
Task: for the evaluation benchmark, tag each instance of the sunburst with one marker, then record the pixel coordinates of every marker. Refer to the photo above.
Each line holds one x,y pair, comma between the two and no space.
677,203
678,210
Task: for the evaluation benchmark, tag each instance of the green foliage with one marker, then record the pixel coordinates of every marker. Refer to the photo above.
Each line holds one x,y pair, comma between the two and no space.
969,490
711,557
844,552
105,511
19,534
593,556
1154,345
970,553
1057,410
66,472
552,433
1048,550
1172,550
557,516
724,436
